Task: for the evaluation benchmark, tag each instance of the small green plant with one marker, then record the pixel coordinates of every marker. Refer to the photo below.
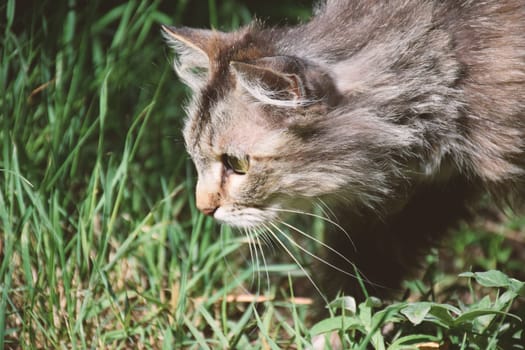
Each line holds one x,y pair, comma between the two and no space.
101,246
484,324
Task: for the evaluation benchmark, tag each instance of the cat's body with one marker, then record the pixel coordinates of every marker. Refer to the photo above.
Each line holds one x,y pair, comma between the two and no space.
397,114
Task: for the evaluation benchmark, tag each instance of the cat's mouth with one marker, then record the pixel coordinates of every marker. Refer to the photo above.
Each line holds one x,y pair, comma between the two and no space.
246,217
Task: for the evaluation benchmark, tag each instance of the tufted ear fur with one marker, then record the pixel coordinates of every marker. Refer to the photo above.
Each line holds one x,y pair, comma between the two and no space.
284,81
191,46
268,85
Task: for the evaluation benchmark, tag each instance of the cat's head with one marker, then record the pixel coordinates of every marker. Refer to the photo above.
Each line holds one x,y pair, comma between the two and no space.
256,125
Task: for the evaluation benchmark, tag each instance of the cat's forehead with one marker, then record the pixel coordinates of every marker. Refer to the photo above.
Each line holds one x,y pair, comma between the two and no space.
233,125
210,124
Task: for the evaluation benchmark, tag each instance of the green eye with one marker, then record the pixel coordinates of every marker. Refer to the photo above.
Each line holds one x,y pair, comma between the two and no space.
237,165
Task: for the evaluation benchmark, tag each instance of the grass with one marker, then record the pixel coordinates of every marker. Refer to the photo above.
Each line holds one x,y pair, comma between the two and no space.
100,243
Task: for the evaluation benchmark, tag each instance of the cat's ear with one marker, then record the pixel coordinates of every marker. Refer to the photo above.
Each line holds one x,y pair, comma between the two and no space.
285,81
191,46
269,85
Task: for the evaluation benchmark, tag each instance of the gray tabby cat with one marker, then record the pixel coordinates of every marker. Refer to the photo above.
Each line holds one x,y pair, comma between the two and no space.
397,114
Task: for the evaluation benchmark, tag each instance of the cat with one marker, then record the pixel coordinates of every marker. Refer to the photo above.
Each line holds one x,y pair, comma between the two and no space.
398,115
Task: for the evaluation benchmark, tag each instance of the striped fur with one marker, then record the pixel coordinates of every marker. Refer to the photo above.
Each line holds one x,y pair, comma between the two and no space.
398,114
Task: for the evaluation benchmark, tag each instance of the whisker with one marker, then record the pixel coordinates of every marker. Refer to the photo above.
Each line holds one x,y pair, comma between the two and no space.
321,243
257,237
230,269
328,220
258,262
267,239
255,257
318,258
354,266
252,259
294,258
324,208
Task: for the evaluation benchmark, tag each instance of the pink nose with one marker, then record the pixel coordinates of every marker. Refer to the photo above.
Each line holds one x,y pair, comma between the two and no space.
207,210
207,199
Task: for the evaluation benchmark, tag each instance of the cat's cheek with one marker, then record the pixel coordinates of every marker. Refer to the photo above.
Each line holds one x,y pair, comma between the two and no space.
224,215
242,217
221,216
235,185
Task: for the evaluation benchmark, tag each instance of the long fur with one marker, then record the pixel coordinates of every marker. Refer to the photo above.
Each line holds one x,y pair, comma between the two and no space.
419,109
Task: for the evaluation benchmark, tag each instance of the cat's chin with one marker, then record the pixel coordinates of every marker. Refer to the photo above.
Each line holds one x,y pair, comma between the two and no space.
243,218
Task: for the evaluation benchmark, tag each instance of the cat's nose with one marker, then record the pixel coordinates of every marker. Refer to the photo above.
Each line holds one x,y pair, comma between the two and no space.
209,211
207,204
207,199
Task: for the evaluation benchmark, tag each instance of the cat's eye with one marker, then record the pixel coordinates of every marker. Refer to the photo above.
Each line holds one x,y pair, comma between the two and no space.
237,165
